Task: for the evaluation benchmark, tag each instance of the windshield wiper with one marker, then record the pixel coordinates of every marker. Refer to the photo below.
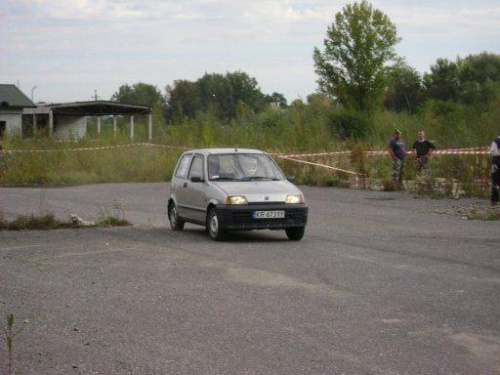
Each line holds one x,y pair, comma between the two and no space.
262,178
224,179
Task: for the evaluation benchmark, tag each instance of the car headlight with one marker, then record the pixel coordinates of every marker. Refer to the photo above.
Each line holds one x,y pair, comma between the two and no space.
294,198
236,199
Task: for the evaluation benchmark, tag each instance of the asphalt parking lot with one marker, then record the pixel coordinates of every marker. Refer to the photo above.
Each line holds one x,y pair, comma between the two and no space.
382,283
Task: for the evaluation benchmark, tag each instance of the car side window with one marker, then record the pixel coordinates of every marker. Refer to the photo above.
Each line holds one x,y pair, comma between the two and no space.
183,167
196,167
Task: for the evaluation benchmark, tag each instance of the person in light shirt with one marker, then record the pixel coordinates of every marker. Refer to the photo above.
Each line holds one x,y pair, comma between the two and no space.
495,171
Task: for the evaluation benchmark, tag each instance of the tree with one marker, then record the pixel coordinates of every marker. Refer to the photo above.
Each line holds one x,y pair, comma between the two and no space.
184,100
473,80
225,96
358,44
404,89
216,95
245,90
139,94
443,82
479,77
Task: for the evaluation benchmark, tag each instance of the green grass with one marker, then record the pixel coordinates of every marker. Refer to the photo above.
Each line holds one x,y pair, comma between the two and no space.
492,214
49,222
302,128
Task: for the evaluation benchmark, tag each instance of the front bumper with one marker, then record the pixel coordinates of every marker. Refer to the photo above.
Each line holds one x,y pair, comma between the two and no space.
240,217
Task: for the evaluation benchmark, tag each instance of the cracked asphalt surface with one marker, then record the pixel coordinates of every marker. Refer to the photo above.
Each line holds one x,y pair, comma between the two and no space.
382,283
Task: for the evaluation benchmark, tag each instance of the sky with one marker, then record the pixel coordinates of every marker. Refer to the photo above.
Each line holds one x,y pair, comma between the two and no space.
68,50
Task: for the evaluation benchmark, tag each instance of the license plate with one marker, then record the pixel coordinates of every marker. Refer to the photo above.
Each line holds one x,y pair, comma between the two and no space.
268,214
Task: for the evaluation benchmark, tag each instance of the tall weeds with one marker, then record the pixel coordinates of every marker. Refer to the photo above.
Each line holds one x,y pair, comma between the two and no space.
316,126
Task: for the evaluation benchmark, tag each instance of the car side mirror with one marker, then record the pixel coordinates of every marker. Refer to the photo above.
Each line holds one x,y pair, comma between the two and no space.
290,178
196,179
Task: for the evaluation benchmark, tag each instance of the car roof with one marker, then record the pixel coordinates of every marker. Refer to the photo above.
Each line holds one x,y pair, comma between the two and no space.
211,151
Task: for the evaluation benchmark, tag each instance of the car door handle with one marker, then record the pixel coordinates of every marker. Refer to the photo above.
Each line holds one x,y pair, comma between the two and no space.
185,184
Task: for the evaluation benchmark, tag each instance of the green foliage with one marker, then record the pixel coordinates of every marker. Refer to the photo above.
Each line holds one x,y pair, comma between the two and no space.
350,124
474,80
184,101
224,96
49,222
359,159
139,94
479,77
317,125
32,222
358,44
404,91
442,83
8,335
112,221
62,166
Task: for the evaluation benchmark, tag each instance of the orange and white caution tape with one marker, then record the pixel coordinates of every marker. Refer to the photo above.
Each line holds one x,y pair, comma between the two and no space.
97,148
320,165
334,153
455,151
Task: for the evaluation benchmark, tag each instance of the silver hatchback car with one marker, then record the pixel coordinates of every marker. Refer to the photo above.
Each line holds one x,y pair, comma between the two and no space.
234,189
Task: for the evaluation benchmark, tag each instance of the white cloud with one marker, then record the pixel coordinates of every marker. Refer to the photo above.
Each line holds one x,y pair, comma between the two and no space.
158,41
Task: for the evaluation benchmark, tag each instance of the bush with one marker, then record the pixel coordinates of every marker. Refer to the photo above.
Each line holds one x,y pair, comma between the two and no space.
350,124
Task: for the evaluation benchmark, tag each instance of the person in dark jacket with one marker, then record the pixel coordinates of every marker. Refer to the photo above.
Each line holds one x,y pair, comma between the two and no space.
397,152
423,150
495,171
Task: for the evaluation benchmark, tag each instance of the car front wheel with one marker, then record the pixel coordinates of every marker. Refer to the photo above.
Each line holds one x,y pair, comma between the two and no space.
213,227
295,233
173,216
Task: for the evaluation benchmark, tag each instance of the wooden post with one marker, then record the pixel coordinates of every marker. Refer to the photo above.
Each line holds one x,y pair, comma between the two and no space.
35,127
132,128
51,123
114,125
150,127
98,126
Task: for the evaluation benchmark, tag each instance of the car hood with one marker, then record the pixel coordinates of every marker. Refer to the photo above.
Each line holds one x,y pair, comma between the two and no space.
259,191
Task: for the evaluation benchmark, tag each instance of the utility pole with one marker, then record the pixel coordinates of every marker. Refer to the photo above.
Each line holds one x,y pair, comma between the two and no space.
96,97
32,89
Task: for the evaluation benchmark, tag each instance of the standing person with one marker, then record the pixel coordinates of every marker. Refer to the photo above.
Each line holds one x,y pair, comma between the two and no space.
423,150
397,151
495,171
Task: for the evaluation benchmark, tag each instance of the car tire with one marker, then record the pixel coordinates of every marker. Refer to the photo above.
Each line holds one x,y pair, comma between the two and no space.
213,227
173,216
295,233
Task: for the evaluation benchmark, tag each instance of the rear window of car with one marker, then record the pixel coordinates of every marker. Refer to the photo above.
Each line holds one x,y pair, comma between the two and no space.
183,167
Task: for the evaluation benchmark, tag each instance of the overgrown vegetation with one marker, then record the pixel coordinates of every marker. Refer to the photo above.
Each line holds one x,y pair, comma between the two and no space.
8,335
363,100
488,215
313,126
65,166
49,222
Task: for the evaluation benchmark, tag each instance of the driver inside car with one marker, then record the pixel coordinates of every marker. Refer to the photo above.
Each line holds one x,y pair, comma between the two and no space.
248,166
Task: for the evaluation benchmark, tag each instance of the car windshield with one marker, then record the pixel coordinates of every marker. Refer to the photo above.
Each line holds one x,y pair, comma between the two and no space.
243,167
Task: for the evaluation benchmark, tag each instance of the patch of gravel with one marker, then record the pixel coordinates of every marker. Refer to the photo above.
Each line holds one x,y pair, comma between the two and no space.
462,208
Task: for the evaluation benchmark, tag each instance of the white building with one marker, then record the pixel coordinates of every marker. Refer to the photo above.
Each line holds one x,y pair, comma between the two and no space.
19,116
12,104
